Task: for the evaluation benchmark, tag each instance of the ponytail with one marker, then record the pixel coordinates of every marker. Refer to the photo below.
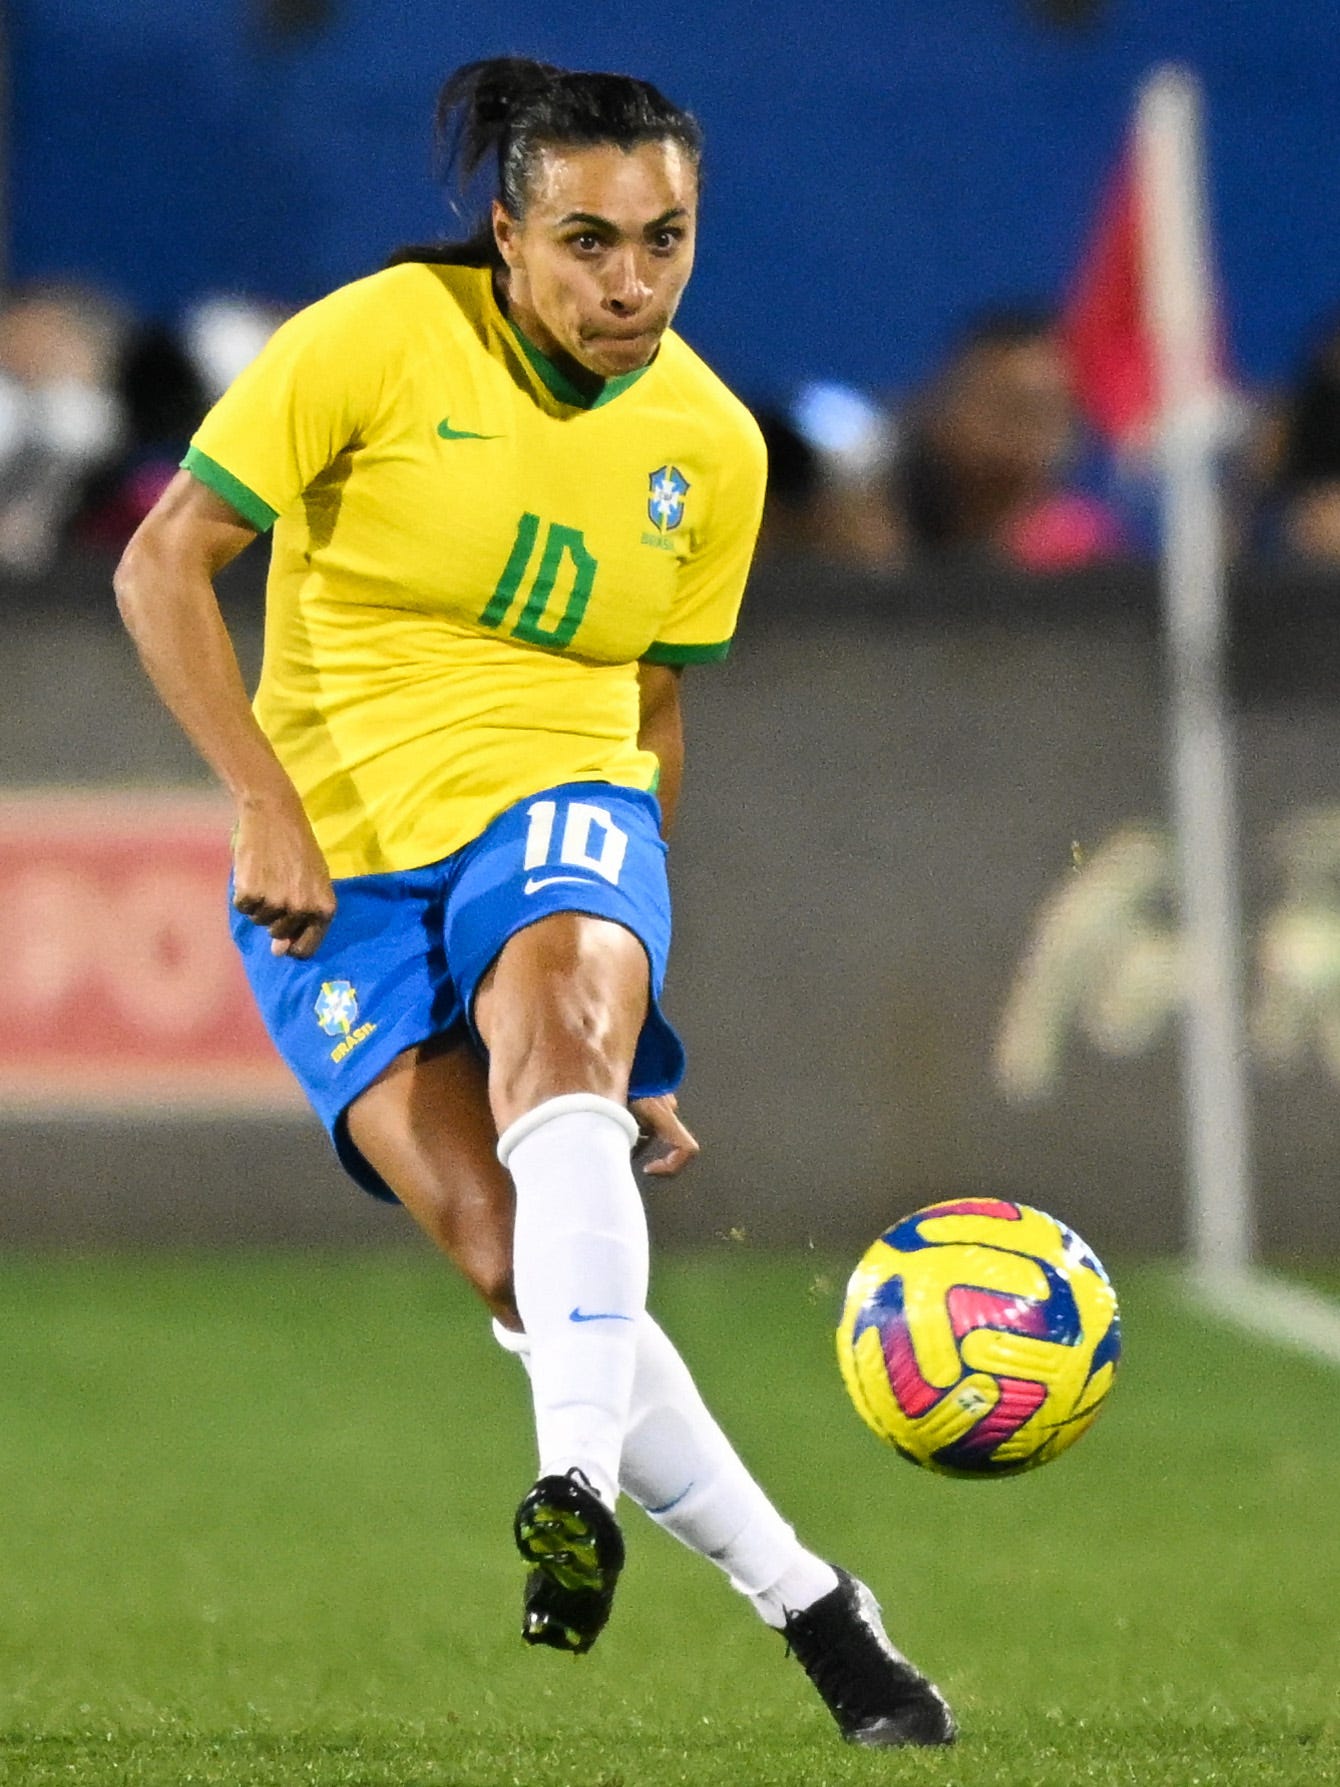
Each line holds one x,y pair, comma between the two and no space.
494,117
475,107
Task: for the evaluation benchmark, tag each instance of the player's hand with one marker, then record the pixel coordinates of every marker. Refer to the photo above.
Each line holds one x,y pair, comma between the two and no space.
670,1145
280,879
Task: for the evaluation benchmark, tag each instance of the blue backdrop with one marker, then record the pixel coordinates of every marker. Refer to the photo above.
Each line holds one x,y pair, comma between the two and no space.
876,169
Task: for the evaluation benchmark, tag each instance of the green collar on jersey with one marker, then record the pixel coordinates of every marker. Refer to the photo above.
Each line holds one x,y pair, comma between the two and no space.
565,389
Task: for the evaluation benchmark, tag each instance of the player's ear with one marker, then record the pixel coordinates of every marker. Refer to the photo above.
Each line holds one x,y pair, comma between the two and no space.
505,232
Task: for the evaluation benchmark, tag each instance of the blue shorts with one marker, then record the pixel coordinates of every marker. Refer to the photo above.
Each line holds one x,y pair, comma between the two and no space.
406,951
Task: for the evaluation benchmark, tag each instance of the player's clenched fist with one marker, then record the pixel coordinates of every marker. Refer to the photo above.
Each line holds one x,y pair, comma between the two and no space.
280,879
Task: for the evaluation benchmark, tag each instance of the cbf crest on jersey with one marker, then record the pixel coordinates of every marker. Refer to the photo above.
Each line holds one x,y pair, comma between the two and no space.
669,487
337,1008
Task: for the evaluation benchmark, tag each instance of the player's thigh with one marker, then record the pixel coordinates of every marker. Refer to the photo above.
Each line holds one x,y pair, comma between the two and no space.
425,1126
561,1010
557,930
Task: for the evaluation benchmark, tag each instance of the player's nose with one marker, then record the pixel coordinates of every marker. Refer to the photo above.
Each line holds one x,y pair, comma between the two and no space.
627,289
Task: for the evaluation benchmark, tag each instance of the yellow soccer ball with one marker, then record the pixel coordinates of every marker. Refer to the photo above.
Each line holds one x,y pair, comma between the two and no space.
979,1337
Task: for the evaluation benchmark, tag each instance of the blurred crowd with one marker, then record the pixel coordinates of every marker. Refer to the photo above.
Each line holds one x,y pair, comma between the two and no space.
989,461
97,409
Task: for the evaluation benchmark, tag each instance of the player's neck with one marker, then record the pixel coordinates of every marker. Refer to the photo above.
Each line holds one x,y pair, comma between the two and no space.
540,340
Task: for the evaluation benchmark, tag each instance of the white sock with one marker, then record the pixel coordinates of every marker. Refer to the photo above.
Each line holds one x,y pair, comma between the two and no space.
680,1467
579,1262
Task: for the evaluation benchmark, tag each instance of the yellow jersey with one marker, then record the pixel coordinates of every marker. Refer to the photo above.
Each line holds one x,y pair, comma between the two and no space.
469,558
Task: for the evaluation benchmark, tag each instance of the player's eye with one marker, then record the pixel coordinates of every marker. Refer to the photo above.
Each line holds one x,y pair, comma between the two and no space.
667,240
587,242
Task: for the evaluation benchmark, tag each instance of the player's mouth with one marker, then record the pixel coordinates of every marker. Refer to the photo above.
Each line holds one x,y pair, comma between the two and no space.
614,352
629,338
635,347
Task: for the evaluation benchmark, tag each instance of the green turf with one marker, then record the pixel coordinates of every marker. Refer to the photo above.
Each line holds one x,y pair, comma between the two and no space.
254,1520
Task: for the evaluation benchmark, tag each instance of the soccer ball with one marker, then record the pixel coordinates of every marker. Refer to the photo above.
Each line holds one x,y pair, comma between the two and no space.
979,1337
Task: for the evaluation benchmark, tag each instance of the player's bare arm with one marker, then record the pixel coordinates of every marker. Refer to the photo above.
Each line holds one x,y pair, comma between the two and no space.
661,730
165,593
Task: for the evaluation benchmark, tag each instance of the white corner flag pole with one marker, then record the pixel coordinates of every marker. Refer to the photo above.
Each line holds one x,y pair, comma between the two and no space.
1181,319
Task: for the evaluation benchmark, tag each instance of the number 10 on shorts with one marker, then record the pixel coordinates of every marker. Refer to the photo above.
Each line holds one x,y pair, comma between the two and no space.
583,824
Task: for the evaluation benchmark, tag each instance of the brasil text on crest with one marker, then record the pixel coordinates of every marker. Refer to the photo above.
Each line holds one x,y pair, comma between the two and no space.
336,1011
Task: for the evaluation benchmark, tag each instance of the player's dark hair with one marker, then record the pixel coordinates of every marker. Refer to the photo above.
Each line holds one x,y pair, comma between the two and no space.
494,118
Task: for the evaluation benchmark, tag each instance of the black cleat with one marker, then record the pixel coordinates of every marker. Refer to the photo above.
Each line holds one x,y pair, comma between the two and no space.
874,1693
575,1549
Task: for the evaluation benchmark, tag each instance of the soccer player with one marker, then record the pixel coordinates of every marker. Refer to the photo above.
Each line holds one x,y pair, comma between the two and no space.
509,506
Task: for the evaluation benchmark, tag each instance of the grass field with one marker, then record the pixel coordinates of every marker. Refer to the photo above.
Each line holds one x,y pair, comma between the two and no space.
255,1518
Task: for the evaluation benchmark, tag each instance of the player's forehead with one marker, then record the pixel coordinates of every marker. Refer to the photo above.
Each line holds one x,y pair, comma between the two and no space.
630,187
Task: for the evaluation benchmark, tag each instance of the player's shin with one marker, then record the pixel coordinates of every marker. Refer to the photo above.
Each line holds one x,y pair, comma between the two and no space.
680,1467
580,1266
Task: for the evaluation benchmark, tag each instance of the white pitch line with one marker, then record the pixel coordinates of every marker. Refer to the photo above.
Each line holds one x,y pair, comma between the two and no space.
1293,1315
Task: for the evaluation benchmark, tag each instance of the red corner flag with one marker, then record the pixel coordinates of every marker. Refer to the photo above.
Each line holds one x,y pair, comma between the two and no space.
1104,324
1141,323
1142,327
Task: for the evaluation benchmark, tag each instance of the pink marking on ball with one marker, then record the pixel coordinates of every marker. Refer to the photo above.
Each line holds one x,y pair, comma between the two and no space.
910,1389
1020,1399
977,1207
970,1307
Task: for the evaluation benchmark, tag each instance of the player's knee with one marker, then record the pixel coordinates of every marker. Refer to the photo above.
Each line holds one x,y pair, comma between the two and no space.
569,1045
580,1032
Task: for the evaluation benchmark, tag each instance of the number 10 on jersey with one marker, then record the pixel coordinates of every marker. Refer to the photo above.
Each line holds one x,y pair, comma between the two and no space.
560,544
583,824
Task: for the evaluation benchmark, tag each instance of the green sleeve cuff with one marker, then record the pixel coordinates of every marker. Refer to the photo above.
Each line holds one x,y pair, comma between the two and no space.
253,509
686,654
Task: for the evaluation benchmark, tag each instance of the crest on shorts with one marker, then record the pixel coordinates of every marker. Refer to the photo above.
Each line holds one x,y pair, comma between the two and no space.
665,505
337,1007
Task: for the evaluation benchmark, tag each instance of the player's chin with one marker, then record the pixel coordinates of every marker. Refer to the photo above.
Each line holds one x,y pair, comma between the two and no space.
611,356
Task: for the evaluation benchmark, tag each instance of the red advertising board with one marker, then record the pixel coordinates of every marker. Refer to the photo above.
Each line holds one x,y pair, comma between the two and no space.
122,989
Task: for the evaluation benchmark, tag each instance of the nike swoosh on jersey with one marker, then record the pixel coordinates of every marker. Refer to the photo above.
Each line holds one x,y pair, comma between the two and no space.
448,433
534,885
597,1315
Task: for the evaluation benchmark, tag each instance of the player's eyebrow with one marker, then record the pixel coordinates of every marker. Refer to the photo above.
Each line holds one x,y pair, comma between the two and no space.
604,223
